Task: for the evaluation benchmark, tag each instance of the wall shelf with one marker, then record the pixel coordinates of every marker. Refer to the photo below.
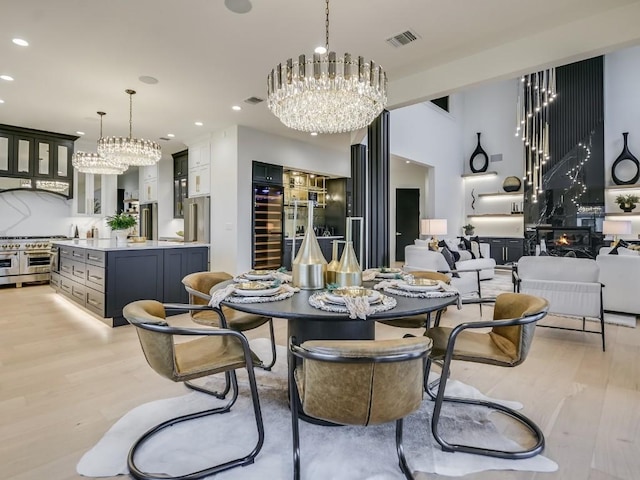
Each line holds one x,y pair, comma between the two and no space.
495,215
624,187
481,174
502,194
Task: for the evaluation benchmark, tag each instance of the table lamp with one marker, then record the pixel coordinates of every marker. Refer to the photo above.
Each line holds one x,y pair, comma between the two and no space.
615,228
433,227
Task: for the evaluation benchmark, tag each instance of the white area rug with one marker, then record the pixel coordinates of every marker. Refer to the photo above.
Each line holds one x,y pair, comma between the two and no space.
327,453
502,282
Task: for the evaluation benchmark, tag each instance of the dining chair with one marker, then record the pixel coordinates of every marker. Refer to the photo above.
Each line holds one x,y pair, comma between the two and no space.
506,344
198,285
216,350
356,382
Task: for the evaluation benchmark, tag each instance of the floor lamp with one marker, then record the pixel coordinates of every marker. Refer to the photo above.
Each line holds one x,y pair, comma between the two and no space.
615,228
433,227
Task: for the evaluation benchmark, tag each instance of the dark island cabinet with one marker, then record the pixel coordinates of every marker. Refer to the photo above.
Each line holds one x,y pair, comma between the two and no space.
104,282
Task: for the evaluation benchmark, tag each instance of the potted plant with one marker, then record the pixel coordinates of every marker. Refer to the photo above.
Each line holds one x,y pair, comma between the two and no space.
627,202
468,229
120,223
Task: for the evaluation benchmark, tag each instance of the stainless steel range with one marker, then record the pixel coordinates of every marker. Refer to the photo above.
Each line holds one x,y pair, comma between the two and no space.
25,259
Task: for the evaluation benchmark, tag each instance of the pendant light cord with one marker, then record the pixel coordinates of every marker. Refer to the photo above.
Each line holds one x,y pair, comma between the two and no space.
130,114
326,24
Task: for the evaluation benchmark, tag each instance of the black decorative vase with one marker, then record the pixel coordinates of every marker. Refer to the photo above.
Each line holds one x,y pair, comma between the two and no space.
479,161
511,184
625,156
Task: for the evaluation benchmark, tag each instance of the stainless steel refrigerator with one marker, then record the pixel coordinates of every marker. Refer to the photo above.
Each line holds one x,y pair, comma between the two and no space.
197,217
149,220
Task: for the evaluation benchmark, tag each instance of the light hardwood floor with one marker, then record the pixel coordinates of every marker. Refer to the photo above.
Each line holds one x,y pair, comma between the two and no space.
65,378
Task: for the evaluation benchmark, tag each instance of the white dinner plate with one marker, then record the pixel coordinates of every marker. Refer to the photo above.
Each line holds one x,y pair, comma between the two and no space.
419,285
389,273
338,295
256,289
258,275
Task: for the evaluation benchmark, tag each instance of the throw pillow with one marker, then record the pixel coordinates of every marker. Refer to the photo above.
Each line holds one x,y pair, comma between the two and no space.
466,242
452,244
421,243
543,253
619,244
570,254
448,256
465,255
475,249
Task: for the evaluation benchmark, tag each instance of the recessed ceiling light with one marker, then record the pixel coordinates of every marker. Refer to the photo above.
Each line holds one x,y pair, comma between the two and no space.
21,42
238,6
199,124
148,80
170,135
236,108
8,78
80,133
314,134
1,100
407,161
320,50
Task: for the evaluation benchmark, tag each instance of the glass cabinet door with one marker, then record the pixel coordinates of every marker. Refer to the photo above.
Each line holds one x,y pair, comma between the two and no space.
62,161
81,193
25,153
6,148
43,165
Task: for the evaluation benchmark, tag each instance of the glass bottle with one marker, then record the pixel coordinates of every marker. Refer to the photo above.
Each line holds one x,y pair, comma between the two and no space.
309,267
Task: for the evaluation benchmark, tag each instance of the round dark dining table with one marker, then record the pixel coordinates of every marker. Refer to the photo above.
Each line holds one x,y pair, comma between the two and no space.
309,323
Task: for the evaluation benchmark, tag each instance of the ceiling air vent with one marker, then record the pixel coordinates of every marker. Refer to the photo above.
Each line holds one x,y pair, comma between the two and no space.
254,100
165,139
402,39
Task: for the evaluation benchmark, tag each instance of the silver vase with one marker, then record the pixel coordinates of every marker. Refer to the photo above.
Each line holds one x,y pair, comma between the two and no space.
333,264
309,267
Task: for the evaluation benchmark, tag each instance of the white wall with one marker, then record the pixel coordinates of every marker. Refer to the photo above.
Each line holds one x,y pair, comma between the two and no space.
621,114
491,110
430,136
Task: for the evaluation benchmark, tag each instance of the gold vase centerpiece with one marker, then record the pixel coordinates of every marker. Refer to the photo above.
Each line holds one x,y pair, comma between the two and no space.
333,264
309,267
348,273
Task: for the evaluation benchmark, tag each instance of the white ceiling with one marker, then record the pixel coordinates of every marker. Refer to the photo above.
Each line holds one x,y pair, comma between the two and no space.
83,54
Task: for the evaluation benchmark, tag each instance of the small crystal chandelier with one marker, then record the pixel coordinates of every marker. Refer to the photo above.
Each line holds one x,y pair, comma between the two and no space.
326,93
129,151
87,162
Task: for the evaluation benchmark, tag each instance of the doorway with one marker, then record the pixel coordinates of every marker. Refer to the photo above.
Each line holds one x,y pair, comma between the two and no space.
407,219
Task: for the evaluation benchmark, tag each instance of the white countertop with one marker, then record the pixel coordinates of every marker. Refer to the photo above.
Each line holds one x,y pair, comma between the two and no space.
110,244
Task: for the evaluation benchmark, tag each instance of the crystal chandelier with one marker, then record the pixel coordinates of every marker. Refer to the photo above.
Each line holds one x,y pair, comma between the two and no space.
87,162
327,93
535,93
129,151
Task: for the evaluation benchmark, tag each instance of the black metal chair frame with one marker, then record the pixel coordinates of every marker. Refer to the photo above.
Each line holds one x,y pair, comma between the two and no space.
440,397
516,285
231,378
294,396
478,284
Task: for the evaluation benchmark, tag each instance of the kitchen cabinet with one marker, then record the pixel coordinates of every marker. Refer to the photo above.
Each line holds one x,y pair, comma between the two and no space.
148,180
267,173
38,159
505,249
103,282
180,182
199,177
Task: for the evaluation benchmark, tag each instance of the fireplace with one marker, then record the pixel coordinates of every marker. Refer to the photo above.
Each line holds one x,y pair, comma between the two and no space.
562,240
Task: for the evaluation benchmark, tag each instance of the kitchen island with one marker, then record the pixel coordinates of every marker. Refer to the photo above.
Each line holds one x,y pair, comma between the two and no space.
103,276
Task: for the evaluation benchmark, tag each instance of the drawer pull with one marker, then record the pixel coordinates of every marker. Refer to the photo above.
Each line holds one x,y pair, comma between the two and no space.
93,302
65,268
76,255
77,294
95,277
91,257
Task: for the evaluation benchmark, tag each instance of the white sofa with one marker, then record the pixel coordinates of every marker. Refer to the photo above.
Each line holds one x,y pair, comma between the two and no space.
620,275
421,258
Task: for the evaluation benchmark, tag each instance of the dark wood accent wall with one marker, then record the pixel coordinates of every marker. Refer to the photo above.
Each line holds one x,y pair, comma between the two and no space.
579,109
379,201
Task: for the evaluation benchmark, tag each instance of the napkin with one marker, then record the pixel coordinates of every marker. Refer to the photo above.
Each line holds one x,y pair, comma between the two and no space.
369,274
284,277
358,307
220,295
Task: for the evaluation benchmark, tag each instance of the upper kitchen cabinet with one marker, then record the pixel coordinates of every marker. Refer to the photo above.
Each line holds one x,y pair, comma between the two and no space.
148,179
199,178
180,182
267,173
36,159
